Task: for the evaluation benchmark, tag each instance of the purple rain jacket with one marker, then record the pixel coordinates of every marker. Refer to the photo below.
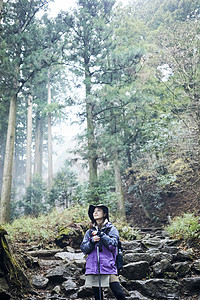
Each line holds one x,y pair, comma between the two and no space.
107,250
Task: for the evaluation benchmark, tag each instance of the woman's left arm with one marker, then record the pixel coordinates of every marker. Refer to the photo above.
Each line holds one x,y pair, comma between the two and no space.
110,239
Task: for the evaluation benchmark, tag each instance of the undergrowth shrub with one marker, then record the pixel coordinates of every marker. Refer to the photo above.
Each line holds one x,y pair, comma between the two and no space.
186,227
45,227
127,232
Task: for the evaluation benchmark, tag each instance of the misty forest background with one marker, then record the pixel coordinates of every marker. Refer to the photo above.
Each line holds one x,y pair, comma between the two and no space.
131,74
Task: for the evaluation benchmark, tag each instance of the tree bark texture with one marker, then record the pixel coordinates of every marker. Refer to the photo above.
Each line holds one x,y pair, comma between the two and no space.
197,104
2,155
92,159
19,169
29,141
118,187
39,137
50,164
8,163
1,8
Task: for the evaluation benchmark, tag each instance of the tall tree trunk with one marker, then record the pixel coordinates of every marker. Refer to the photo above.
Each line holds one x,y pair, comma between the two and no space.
128,155
18,173
29,140
126,141
8,163
50,165
196,102
2,140
2,157
1,8
39,136
118,187
90,131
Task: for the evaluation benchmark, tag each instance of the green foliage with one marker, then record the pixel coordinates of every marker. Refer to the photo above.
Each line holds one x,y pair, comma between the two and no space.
166,179
157,133
42,228
127,232
34,200
103,191
30,228
86,194
45,228
80,213
64,185
149,193
186,227
164,12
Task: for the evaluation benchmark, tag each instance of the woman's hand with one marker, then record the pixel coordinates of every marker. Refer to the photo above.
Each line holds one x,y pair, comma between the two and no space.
95,237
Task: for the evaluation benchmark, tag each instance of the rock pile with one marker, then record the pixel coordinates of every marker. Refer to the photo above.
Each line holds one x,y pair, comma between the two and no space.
154,268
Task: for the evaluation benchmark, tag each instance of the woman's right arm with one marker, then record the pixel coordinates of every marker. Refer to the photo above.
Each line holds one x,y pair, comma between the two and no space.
87,245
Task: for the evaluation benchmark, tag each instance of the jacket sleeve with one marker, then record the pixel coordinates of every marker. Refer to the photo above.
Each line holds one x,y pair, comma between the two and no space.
110,240
87,244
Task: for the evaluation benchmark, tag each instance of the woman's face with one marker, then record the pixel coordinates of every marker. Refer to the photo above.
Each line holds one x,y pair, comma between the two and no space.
98,213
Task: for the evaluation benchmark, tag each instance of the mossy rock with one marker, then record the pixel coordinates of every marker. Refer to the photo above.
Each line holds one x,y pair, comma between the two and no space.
2,231
72,236
11,273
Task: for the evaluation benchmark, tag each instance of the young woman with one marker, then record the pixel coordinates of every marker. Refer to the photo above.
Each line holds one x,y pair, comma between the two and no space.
100,244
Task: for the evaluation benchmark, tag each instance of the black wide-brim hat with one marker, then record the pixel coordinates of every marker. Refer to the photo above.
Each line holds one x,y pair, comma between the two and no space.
91,211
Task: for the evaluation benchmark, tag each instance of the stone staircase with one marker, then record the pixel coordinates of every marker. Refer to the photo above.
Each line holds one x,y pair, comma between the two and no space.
155,267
